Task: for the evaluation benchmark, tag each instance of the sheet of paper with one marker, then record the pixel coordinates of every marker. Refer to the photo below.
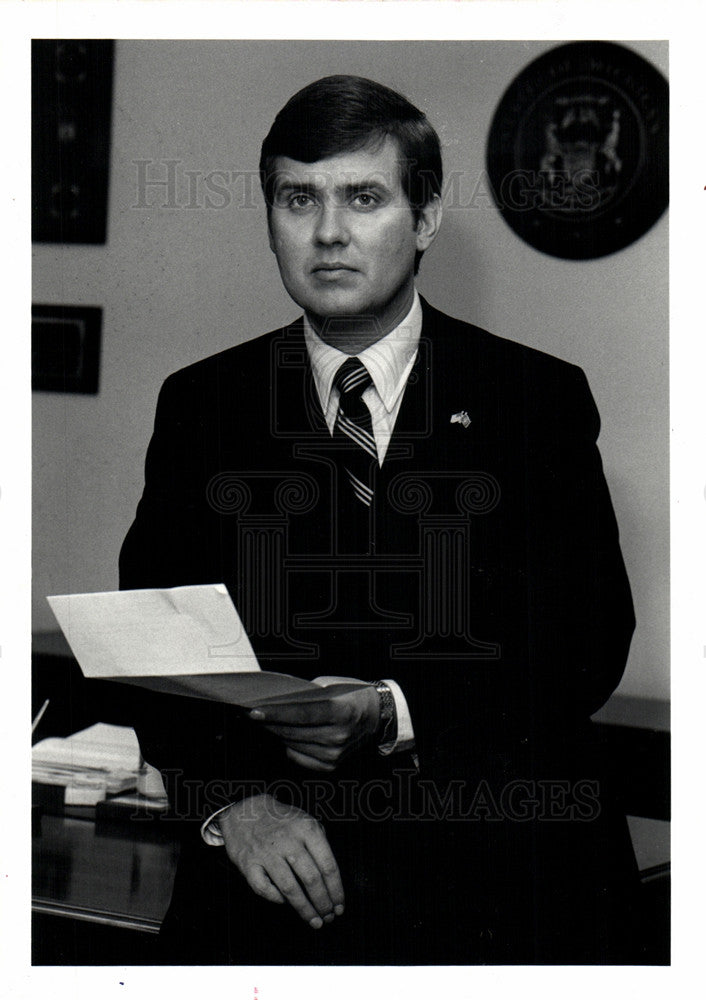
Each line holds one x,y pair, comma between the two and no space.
184,640
247,690
136,633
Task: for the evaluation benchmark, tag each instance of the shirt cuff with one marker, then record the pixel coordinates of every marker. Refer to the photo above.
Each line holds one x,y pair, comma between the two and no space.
211,831
405,730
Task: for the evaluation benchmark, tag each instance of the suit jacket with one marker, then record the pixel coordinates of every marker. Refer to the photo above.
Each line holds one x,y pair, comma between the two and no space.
488,581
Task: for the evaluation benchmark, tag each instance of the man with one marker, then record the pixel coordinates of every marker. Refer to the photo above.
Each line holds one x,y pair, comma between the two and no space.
394,496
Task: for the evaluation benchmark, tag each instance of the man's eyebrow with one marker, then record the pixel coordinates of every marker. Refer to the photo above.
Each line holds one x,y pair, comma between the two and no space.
288,186
372,184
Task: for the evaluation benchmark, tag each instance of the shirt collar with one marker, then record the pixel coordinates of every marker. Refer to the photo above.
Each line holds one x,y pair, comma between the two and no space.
388,361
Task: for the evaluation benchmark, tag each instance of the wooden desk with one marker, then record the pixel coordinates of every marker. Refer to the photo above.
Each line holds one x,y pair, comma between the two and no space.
99,893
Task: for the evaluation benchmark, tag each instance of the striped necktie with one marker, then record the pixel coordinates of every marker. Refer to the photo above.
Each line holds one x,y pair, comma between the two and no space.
353,422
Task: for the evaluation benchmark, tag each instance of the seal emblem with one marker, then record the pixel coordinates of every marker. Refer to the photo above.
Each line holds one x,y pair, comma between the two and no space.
578,150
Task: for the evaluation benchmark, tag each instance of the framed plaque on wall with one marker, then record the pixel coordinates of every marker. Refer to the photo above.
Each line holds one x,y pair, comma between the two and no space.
72,84
66,348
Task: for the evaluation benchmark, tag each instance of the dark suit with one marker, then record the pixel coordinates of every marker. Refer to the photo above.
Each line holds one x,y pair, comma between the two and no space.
491,588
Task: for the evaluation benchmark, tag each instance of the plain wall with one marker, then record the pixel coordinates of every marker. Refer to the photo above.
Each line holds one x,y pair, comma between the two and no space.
179,283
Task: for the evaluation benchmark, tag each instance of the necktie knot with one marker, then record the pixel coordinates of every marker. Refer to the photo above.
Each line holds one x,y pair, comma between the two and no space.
352,379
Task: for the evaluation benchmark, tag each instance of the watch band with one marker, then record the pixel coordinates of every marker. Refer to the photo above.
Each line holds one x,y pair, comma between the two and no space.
386,734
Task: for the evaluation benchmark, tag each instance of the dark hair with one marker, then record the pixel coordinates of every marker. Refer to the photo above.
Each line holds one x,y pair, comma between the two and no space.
341,114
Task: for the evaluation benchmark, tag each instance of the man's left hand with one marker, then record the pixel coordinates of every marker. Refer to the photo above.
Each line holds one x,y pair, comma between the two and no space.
319,734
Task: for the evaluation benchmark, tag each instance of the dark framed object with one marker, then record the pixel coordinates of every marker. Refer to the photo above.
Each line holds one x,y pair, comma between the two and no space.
578,150
72,88
66,348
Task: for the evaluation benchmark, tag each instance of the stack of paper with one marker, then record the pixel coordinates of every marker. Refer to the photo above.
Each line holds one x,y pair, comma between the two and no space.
91,764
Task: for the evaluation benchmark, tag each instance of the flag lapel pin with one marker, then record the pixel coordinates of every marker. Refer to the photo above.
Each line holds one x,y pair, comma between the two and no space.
461,418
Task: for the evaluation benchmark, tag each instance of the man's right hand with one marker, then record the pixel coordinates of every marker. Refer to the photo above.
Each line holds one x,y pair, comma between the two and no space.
284,855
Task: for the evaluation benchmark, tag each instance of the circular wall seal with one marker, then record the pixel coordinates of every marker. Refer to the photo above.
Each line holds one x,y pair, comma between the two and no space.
578,151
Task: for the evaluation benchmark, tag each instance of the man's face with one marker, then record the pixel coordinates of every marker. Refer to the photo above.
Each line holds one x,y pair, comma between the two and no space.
345,237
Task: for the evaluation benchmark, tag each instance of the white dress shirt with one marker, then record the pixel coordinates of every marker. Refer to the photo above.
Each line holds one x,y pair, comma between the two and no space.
389,362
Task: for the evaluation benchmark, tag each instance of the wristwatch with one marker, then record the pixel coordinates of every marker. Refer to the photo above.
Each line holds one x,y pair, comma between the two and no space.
386,734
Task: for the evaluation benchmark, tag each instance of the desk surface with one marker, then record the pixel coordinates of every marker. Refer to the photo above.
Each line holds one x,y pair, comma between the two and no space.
635,713
120,876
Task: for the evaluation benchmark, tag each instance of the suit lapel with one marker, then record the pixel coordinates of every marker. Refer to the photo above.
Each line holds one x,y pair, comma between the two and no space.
296,415
420,420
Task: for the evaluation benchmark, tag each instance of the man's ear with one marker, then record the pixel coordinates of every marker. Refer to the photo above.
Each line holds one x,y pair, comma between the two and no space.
428,223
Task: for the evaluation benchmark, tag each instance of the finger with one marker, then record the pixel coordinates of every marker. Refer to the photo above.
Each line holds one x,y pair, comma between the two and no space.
325,755
312,763
320,850
330,736
312,880
282,874
261,884
310,713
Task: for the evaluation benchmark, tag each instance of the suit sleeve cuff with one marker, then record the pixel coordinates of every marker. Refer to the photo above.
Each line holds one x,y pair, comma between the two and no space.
405,730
